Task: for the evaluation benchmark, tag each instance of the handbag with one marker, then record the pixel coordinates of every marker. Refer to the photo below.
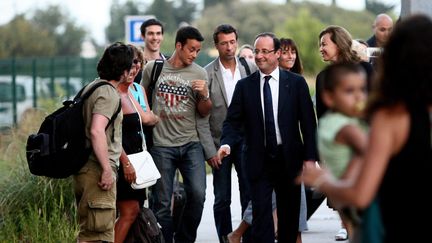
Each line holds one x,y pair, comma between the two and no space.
146,171
145,229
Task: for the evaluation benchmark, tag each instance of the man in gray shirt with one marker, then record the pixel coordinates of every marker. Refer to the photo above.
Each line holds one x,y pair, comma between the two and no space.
180,95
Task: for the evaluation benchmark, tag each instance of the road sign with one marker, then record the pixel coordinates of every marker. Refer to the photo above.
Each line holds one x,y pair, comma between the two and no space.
132,28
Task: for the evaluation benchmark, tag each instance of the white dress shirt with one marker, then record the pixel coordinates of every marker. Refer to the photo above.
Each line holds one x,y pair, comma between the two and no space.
229,80
274,87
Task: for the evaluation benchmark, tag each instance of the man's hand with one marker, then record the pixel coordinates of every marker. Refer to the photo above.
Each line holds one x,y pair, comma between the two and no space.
106,180
313,175
223,152
309,162
214,162
201,87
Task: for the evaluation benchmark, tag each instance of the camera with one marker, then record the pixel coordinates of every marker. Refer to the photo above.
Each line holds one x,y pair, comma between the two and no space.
374,52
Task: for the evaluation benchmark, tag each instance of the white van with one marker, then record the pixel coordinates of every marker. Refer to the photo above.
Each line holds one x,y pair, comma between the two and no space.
24,94
24,98
61,88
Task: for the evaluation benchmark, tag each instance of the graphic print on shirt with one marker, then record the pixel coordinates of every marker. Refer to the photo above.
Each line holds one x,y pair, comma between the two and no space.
172,93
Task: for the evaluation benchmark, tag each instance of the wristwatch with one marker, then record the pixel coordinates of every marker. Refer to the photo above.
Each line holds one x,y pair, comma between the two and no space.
205,98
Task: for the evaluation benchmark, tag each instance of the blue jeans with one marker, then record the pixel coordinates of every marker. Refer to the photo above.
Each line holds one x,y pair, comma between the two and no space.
222,191
189,159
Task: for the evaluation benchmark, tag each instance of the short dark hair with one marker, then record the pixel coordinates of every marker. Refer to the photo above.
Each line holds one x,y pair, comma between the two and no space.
276,41
116,59
225,29
188,32
148,23
333,74
290,43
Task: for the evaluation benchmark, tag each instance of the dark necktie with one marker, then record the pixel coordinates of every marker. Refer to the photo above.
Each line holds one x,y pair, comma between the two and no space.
271,143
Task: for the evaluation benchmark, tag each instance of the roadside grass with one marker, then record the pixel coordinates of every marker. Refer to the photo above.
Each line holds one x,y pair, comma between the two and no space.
39,209
32,208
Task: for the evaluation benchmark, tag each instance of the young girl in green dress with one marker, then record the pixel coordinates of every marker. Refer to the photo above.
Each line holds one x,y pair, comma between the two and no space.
341,131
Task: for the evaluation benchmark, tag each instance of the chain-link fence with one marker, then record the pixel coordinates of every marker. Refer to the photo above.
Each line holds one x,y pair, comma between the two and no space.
25,82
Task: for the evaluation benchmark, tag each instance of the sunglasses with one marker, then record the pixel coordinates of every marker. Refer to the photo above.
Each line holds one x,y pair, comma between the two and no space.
136,61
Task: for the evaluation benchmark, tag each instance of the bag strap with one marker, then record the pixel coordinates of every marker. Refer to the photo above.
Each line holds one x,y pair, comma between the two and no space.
245,65
140,122
82,97
138,93
114,116
154,76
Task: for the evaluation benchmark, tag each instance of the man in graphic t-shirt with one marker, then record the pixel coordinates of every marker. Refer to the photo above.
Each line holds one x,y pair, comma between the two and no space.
181,94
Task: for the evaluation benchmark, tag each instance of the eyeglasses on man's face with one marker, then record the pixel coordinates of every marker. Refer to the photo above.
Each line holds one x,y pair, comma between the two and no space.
264,51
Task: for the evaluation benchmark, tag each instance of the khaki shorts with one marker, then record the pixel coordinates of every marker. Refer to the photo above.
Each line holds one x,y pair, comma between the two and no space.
96,207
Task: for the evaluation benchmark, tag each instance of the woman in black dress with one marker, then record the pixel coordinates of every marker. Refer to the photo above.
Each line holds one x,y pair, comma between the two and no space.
129,201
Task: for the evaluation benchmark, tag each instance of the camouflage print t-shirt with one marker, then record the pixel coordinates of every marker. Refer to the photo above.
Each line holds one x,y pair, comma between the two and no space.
175,103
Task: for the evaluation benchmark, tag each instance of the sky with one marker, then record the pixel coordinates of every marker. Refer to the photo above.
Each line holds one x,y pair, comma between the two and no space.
94,14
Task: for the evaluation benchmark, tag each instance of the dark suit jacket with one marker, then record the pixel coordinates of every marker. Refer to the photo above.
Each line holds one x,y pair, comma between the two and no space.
296,119
210,127
372,41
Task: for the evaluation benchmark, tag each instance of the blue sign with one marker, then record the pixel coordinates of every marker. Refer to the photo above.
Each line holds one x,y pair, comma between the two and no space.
133,28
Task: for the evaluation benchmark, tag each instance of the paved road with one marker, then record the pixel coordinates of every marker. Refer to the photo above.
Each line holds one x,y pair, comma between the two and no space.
322,226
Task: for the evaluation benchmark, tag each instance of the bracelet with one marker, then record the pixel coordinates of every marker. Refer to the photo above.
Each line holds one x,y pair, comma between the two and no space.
205,98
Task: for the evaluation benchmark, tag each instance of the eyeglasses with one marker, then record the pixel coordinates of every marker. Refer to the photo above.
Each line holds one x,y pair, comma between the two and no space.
264,52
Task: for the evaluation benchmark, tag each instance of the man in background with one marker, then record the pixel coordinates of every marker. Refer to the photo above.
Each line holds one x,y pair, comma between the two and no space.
223,74
382,27
152,32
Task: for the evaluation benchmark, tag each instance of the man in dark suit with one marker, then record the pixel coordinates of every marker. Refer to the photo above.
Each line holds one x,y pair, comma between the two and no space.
382,28
223,74
272,110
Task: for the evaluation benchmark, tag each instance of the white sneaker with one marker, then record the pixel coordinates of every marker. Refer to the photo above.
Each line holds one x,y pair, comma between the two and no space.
341,235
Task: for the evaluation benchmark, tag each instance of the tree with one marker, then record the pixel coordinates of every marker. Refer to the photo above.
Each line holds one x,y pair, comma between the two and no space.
301,21
248,18
70,44
304,29
115,31
49,19
21,38
210,3
184,12
164,11
172,14
333,3
61,27
377,7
